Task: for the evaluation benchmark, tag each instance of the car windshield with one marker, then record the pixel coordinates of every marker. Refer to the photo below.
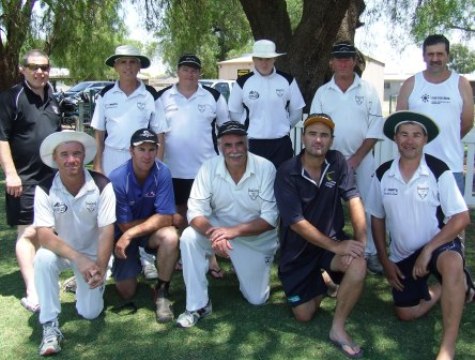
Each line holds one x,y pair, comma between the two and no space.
80,87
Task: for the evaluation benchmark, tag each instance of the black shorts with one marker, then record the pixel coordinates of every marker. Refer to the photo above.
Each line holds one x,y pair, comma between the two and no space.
275,150
20,209
416,290
304,281
182,189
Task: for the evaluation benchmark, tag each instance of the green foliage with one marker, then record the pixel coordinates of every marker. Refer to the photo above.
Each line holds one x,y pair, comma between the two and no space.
462,59
208,28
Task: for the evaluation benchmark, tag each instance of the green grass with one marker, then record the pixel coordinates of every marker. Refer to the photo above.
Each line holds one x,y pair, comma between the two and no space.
235,330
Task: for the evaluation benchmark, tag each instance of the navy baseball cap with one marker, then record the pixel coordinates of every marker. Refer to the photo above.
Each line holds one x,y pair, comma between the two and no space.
190,60
232,127
143,136
342,50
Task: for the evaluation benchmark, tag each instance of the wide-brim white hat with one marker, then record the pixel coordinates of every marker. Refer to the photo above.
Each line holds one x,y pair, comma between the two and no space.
52,141
265,49
128,51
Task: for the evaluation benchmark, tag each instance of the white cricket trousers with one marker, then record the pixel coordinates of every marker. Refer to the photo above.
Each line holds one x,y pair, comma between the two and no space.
48,266
252,269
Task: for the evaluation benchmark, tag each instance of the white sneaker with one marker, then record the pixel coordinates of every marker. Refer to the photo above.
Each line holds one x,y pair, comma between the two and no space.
190,318
52,337
149,271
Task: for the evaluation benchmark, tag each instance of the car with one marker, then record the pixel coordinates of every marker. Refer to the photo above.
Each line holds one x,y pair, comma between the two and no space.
223,86
84,91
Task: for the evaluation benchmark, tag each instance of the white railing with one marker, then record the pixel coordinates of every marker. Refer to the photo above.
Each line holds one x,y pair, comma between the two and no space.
386,150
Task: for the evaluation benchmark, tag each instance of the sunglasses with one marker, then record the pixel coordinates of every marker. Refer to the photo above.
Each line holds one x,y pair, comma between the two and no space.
36,67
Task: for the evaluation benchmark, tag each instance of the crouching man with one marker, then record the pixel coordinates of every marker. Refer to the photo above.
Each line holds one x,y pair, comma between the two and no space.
232,211
416,199
74,214
145,207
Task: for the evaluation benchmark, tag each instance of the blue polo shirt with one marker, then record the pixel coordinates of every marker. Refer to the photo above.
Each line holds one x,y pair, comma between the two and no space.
299,197
135,201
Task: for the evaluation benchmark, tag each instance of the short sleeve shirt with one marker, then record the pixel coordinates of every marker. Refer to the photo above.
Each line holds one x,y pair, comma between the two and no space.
300,198
25,121
76,219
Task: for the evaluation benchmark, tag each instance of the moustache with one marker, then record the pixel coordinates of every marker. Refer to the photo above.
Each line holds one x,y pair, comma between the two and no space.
436,62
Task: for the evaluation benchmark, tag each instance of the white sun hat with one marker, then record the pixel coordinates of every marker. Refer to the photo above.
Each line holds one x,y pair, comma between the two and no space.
52,141
265,49
128,51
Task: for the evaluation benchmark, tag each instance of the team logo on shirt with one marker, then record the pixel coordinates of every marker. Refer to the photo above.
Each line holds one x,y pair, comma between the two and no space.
425,98
422,191
111,105
60,208
253,193
390,191
253,95
150,194
201,108
280,92
359,99
140,105
91,206
329,179
268,260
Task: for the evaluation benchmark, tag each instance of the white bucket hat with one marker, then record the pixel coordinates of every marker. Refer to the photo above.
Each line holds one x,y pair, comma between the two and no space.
128,51
265,49
52,141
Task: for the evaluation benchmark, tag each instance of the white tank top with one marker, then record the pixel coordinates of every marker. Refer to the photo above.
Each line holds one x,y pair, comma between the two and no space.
443,103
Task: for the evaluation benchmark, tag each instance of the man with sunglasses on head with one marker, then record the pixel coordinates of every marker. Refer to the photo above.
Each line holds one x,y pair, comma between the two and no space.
28,114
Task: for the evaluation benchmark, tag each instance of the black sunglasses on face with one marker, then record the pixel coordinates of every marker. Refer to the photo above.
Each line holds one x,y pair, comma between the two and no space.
36,67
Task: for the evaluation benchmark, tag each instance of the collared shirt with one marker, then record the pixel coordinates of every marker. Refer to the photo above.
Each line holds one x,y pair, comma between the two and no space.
25,121
121,115
410,209
300,198
76,219
217,197
140,201
265,103
355,112
190,126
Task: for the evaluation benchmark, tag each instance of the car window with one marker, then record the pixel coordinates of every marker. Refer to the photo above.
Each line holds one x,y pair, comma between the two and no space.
80,86
222,87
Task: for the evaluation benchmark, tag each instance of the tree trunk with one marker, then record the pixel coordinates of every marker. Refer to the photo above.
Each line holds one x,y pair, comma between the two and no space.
308,47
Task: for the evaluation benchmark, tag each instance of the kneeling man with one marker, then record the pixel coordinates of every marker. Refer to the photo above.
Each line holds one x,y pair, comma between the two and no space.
145,207
74,214
416,199
309,189
232,211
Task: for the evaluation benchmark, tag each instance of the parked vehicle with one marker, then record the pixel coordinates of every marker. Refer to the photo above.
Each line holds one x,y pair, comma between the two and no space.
223,86
85,92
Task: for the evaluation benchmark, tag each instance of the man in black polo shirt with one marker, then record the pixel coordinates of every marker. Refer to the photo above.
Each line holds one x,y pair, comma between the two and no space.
309,189
28,114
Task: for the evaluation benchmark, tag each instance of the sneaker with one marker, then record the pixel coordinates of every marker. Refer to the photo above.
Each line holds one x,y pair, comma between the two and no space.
52,337
69,285
373,264
29,305
190,318
150,271
164,310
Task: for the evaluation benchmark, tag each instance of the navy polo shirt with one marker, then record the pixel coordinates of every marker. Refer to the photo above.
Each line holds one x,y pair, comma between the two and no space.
25,121
135,201
299,197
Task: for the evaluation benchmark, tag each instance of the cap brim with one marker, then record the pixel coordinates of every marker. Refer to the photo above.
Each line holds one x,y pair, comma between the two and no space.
319,120
393,120
233,132
190,63
343,55
51,142
144,61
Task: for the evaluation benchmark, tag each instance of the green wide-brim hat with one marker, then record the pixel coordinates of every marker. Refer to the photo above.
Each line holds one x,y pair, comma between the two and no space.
404,116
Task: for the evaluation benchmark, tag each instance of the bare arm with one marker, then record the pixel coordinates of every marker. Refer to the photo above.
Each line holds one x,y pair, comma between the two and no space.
466,118
139,228
404,93
358,219
12,180
100,137
161,147
366,146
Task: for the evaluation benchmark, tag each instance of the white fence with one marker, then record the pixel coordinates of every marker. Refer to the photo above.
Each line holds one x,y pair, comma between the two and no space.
386,150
